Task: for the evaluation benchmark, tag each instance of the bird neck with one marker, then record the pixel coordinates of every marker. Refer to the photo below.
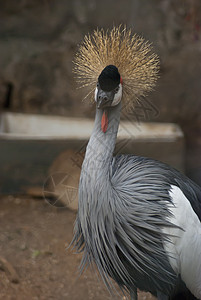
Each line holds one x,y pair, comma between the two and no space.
95,186
101,145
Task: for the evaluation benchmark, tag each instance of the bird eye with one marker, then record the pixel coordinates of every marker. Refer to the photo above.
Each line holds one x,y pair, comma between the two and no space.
97,84
116,90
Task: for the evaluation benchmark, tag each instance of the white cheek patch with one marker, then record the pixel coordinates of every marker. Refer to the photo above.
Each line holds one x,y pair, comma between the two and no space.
117,96
95,94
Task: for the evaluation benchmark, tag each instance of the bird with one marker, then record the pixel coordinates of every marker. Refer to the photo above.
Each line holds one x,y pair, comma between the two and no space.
138,219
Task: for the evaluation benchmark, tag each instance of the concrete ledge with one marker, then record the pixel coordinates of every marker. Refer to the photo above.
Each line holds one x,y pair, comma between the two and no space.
30,126
31,144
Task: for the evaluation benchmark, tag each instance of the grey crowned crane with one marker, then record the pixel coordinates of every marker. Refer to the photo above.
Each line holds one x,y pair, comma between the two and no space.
139,220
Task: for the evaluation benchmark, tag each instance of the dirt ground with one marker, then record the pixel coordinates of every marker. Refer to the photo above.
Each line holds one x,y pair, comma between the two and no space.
34,262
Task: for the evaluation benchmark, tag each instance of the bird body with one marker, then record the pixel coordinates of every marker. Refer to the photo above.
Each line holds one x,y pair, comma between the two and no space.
138,219
126,217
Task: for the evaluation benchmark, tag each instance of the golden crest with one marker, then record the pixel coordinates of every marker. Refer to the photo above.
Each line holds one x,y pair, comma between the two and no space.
130,53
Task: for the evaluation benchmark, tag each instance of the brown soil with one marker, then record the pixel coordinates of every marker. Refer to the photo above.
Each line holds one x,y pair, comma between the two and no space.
33,240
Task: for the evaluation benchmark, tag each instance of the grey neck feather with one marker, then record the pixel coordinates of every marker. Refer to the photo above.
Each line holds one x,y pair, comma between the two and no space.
101,145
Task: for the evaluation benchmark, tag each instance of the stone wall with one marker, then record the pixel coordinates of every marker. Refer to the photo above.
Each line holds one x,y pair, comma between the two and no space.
39,38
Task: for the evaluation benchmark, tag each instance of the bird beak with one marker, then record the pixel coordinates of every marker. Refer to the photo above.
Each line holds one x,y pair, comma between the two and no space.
104,99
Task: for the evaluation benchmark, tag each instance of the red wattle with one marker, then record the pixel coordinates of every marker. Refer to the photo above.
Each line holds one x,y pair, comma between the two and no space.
104,122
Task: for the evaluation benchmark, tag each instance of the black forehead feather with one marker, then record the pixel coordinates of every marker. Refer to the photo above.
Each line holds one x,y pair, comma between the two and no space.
109,78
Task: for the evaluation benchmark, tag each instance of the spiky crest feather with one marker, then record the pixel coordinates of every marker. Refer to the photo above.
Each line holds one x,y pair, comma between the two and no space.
133,57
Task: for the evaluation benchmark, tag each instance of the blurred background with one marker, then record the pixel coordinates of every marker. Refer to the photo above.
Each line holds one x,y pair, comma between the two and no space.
39,98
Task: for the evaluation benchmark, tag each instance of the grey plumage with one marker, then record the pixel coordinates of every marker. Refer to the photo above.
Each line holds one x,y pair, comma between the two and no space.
123,205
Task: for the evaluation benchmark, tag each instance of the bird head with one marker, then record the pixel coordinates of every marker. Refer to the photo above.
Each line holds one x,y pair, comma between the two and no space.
108,91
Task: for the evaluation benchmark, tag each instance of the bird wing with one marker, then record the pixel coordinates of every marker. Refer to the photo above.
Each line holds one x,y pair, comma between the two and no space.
142,172
155,220
141,211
